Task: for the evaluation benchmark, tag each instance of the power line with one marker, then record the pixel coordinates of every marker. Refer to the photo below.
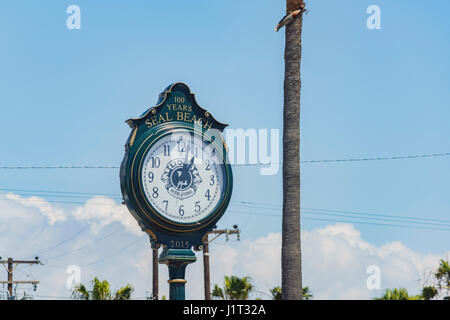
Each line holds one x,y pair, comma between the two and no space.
56,167
86,245
256,205
377,224
55,196
352,221
267,206
424,223
318,210
378,219
65,240
380,158
303,211
101,259
105,257
55,201
62,192
417,156
380,215
113,254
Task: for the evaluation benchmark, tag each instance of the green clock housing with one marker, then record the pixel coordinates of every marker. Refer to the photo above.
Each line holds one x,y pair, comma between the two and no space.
175,176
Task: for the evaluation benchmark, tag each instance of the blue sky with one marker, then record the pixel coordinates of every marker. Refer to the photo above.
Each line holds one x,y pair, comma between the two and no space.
65,94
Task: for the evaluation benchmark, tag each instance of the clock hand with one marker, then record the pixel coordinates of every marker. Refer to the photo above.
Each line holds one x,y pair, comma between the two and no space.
187,153
188,164
191,163
178,189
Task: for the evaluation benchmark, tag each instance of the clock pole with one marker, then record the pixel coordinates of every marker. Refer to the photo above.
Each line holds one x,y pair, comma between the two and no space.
177,261
149,173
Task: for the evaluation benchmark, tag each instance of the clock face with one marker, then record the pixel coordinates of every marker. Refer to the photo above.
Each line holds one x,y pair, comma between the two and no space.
183,177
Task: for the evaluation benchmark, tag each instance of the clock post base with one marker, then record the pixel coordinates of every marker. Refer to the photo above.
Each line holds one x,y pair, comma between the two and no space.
177,261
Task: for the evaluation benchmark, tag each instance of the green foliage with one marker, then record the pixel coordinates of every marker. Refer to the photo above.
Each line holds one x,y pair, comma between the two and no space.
276,293
218,293
441,285
438,289
398,294
124,293
429,292
443,275
235,288
307,295
80,292
101,291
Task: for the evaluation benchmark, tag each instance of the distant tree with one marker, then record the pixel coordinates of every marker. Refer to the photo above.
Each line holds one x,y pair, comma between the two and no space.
441,285
217,293
80,292
439,288
398,294
26,297
101,291
124,293
235,288
443,278
429,292
276,293
307,295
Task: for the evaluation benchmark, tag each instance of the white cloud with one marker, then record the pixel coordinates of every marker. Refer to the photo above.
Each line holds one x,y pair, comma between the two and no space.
46,208
101,211
98,211
335,257
335,261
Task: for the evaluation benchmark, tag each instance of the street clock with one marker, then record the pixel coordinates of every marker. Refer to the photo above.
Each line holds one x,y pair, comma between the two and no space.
175,177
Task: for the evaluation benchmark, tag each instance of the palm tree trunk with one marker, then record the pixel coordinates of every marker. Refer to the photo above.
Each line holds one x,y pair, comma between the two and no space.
291,251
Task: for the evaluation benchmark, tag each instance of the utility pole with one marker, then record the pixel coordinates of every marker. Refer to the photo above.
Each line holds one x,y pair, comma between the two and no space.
206,242
207,282
10,269
155,274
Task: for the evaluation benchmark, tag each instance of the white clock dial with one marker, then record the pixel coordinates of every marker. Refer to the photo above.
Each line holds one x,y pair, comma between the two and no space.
182,177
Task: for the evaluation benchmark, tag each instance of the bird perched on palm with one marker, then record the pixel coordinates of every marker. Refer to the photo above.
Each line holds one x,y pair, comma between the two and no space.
287,19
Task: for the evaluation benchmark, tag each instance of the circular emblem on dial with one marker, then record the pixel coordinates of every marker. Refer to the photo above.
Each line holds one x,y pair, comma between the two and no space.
181,179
